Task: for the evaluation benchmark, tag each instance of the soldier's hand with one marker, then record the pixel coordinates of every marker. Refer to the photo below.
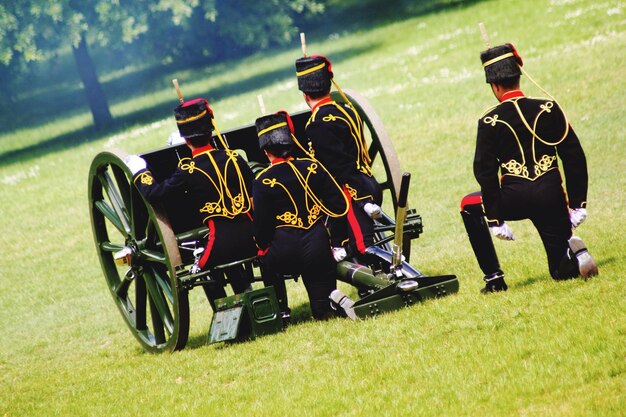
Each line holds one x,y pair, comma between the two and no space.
339,253
577,216
373,210
195,268
175,138
503,232
135,163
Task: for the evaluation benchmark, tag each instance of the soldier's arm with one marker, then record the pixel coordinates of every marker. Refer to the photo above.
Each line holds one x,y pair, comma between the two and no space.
336,202
156,191
575,169
486,168
263,217
328,148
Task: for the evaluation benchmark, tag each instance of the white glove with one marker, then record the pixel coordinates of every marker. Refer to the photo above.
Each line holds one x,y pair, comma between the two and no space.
339,254
195,268
373,210
175,138
577,216
503,232
135,163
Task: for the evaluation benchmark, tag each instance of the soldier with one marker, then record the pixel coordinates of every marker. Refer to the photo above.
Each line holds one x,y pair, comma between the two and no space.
218,183
335,132
516,165
292,198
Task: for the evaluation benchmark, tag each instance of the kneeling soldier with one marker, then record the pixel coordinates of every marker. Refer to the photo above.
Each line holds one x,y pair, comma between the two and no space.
292,198
516,165
218,183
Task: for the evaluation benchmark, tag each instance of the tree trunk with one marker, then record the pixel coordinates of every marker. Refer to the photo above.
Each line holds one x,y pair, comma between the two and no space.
93,90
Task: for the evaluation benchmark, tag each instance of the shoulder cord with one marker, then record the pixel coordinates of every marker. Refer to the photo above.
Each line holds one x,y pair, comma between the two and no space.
361,145
310,152
545,107
221,185
286,216
219,135
243,205
514,167
310,193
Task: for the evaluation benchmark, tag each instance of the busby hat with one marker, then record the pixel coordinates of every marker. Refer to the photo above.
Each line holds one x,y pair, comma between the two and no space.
194,118
501,63
314,74
274,129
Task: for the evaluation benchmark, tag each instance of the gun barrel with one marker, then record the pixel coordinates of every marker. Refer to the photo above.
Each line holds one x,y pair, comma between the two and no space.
359,275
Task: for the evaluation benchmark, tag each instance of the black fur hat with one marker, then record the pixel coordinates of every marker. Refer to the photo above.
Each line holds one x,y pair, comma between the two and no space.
194,118
501,63
274,129
314,74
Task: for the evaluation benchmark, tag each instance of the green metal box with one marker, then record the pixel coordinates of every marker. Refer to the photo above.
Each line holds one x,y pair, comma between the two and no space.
245,316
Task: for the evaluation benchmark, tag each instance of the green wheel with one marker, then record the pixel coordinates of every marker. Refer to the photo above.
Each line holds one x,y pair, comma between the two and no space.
139,256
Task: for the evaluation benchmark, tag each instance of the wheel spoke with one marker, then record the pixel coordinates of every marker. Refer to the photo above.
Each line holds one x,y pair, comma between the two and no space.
111,247
146,247
108,212
122,288
123,185
160,303
157,324
163,282
372,151
154,256
116,200
140,305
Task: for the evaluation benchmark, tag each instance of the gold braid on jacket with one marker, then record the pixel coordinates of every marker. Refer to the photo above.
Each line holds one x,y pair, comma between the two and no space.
231,202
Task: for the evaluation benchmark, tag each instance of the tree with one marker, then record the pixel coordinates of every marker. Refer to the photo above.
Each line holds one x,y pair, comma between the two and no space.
34,30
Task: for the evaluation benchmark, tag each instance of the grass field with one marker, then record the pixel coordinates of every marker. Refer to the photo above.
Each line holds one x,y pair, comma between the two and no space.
544,348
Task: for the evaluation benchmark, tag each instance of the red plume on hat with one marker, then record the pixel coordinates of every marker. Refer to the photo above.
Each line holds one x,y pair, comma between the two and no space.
329,65
289,121
518,58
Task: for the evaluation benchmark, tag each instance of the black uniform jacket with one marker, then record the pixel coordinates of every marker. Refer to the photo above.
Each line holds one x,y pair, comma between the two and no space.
336,134
218,183
518,141
294,193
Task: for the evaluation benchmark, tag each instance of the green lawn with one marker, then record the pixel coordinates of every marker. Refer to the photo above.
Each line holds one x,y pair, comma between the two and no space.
544,348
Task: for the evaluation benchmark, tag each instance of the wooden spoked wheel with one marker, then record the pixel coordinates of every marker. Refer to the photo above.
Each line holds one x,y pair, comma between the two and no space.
139,256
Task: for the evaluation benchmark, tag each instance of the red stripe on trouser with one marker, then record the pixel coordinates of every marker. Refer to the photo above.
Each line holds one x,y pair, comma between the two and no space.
354,224
470,199
209,245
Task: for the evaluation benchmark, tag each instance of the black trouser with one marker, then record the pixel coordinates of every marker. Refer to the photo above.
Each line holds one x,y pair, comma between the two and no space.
541,201
228,241
302,252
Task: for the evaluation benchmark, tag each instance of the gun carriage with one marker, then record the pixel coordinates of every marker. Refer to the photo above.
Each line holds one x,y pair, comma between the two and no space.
146,250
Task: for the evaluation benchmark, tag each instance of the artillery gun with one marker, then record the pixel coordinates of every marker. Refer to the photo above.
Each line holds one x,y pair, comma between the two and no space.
146,251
